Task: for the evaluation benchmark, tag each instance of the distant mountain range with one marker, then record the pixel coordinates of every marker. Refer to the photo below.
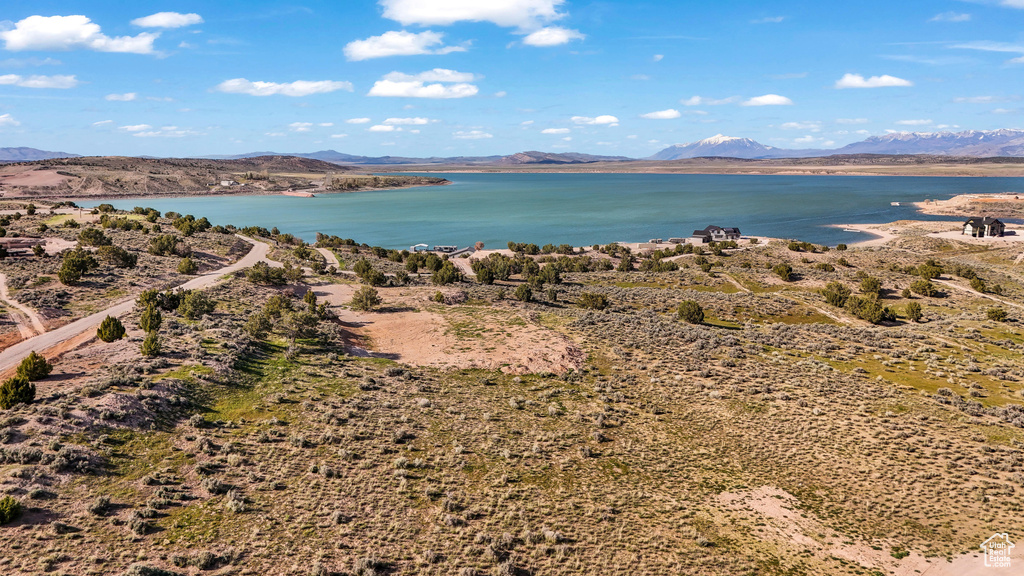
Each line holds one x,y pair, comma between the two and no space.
30,154
972,143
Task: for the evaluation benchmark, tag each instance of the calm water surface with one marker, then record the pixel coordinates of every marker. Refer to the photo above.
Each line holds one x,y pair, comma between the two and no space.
584,209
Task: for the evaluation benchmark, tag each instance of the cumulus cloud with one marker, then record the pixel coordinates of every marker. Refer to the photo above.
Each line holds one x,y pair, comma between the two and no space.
555,131
701,101
339,135
383,128
58,81
552,36
522,14
768,100
974,99
914,122
168,20
399,43
445,84
950,17
8,120
662,114
71,33
471,135
357,121
167,132
658,57
300,126
858,81
852,120
296,89
803,126
136,127
407,121
126,97
603,120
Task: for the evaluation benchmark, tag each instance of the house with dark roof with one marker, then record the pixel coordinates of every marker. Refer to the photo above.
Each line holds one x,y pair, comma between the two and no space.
714,234
979,227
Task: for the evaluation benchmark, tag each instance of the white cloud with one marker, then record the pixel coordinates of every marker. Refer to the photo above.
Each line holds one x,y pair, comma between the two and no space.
769,20
102,122
300,126
71,33
950,17
1005,111
382,128
567,139
914,122
701,101
986,46
58,81
852,120
858,81
522,14
603,120
555,131
399,85
471,135
126,97
407,121
500,94
136,128
168,20
526,123
804,139
339,135
400,43
167,132
357,121
296,89
325,124
768,100
662,114
8,120
658,57
552,36
803,126
974,99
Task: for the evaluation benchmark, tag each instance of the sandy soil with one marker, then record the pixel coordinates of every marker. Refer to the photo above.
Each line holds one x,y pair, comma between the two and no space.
405,332
960,203
946,230
776,512
19,176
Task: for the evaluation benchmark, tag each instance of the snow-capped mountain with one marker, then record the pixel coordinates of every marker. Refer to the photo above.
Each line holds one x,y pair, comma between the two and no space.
718,145
974,143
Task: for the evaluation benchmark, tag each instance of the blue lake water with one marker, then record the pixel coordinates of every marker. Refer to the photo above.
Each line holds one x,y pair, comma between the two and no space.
584,209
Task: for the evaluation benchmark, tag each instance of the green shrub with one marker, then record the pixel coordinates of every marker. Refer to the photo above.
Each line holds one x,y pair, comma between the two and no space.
868,308
365,299
690,312
836,294
10,509
485,276
871,285
187,266
447,274
438,297
923,287
784,271
75,263
978,284
38,251
151,344
262,273
592,301
996,314
93,237
929,270
16,390
523,293
151,318
840,247
168,245
34,367
117,256
195,304
913,312
110,329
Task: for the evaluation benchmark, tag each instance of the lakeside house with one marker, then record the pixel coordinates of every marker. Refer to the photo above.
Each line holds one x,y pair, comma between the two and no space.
979,227
713,234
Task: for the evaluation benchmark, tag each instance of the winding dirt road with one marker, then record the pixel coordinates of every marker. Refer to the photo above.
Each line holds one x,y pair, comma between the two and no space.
11,356
33,318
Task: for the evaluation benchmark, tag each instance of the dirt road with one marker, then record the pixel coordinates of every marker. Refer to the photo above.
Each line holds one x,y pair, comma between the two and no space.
13,355
33,318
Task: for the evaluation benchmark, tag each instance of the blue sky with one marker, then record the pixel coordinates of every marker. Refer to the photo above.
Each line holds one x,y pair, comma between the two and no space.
475,77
